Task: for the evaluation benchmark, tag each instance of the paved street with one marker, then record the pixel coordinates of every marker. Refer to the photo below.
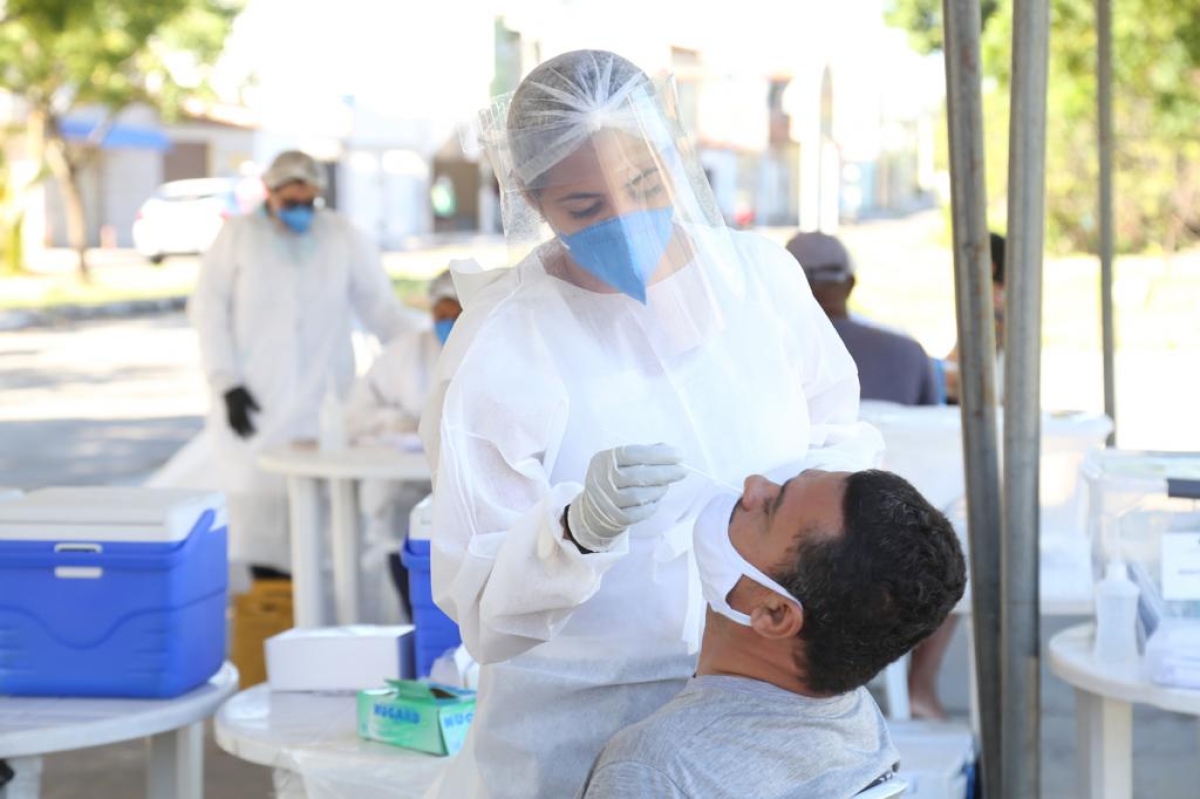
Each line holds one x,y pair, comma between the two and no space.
108,402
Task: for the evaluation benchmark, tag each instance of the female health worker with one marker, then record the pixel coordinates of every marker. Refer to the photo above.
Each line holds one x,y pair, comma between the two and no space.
636,343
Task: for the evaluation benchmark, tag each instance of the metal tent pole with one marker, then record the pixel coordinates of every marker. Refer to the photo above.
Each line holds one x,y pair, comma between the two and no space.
1020,642
1105,115
976,336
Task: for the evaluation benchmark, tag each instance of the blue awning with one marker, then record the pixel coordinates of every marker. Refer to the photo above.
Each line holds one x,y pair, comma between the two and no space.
119,136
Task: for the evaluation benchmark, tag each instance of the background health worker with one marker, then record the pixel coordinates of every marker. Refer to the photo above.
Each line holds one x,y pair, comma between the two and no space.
636,341
274,306
385,406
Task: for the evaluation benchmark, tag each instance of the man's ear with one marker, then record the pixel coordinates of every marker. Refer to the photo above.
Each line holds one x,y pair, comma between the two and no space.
776,617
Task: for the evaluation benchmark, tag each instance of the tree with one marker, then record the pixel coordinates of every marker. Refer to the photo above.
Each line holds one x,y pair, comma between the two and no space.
1156,102
63,56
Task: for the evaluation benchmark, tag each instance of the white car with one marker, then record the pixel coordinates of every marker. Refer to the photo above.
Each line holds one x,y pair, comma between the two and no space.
184,216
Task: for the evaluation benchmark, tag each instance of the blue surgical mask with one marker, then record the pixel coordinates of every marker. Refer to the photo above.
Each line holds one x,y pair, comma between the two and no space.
441,329
298,219
623,251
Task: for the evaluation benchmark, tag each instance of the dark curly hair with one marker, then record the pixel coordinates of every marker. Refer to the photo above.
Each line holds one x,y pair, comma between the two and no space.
877,590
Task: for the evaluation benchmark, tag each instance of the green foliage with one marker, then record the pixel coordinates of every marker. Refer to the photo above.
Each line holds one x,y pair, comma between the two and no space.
11,252
1156,108
62,54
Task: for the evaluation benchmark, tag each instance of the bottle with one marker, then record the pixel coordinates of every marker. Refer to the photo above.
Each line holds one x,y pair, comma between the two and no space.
1116,618
331,422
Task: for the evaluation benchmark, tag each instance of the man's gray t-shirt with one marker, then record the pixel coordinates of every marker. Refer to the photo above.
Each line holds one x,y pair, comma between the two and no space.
736,737
891,367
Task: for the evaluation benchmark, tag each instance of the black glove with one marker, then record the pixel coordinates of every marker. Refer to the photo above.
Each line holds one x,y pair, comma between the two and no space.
238,404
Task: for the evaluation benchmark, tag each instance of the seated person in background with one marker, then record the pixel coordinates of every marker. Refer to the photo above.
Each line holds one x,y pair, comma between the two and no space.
386,403
950,364
813,587
891,366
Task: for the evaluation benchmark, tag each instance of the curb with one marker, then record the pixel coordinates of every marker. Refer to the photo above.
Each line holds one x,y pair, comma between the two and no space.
25,319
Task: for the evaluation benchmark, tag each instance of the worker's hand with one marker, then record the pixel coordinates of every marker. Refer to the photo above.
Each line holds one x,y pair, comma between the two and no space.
623,487
238,404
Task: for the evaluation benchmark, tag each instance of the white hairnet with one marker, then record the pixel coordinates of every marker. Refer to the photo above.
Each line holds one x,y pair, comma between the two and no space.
564,104
294,166
442,287
566,100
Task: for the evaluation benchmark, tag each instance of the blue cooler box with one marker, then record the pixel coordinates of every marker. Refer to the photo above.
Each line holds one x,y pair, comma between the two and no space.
111,592
435,631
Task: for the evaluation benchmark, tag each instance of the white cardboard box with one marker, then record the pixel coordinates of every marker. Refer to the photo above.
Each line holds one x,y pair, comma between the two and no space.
350,658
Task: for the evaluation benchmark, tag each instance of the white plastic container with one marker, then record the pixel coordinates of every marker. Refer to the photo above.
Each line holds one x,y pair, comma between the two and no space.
1116,618
420,521
1144,509
925,446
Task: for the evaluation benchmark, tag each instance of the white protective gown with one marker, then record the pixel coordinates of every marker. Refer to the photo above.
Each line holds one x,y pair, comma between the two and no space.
274,311
389,398
387,401
543,374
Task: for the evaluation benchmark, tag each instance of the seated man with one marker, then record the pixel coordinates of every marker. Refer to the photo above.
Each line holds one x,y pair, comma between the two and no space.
891,366
813,588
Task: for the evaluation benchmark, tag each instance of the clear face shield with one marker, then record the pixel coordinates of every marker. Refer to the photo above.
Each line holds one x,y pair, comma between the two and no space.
597,176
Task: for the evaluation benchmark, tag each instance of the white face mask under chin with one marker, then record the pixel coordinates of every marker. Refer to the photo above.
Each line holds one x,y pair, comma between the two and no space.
719,562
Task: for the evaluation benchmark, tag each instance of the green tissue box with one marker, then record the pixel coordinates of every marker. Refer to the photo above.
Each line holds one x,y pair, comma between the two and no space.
424,716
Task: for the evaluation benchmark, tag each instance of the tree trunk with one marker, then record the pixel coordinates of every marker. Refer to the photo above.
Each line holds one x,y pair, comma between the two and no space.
66,172
76,221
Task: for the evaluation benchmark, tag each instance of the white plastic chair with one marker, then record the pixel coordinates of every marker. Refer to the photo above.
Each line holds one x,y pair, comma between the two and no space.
884,790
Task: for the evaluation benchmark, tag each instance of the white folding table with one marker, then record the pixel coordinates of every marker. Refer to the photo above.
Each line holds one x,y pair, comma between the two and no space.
312,743
1104,700
31,727
305,468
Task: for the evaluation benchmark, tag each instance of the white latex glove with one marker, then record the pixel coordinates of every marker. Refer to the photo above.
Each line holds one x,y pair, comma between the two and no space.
623,487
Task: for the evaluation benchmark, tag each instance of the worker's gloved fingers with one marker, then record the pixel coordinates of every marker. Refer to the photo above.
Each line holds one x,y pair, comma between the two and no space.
639,495
252,403
648,454
648,475
640,513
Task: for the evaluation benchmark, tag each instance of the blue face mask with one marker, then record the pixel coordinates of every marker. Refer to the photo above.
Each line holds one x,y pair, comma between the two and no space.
298,219
441,329
624,251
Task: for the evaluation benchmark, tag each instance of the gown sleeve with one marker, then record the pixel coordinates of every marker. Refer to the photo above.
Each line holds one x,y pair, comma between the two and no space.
501,566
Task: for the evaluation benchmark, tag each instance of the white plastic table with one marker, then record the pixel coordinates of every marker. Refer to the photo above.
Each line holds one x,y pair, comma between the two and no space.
31,727
1104,699
305,467
313,739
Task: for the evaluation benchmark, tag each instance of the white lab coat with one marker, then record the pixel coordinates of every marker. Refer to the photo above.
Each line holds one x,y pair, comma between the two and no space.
389,398
387,401
274,313
541,375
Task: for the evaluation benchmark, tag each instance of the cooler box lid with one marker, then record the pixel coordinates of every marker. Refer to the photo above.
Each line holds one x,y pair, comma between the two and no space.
134,515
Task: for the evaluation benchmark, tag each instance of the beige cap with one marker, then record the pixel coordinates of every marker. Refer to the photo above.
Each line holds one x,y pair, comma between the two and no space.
294,166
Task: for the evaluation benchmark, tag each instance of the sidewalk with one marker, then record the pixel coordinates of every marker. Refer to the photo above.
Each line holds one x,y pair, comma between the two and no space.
125,285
